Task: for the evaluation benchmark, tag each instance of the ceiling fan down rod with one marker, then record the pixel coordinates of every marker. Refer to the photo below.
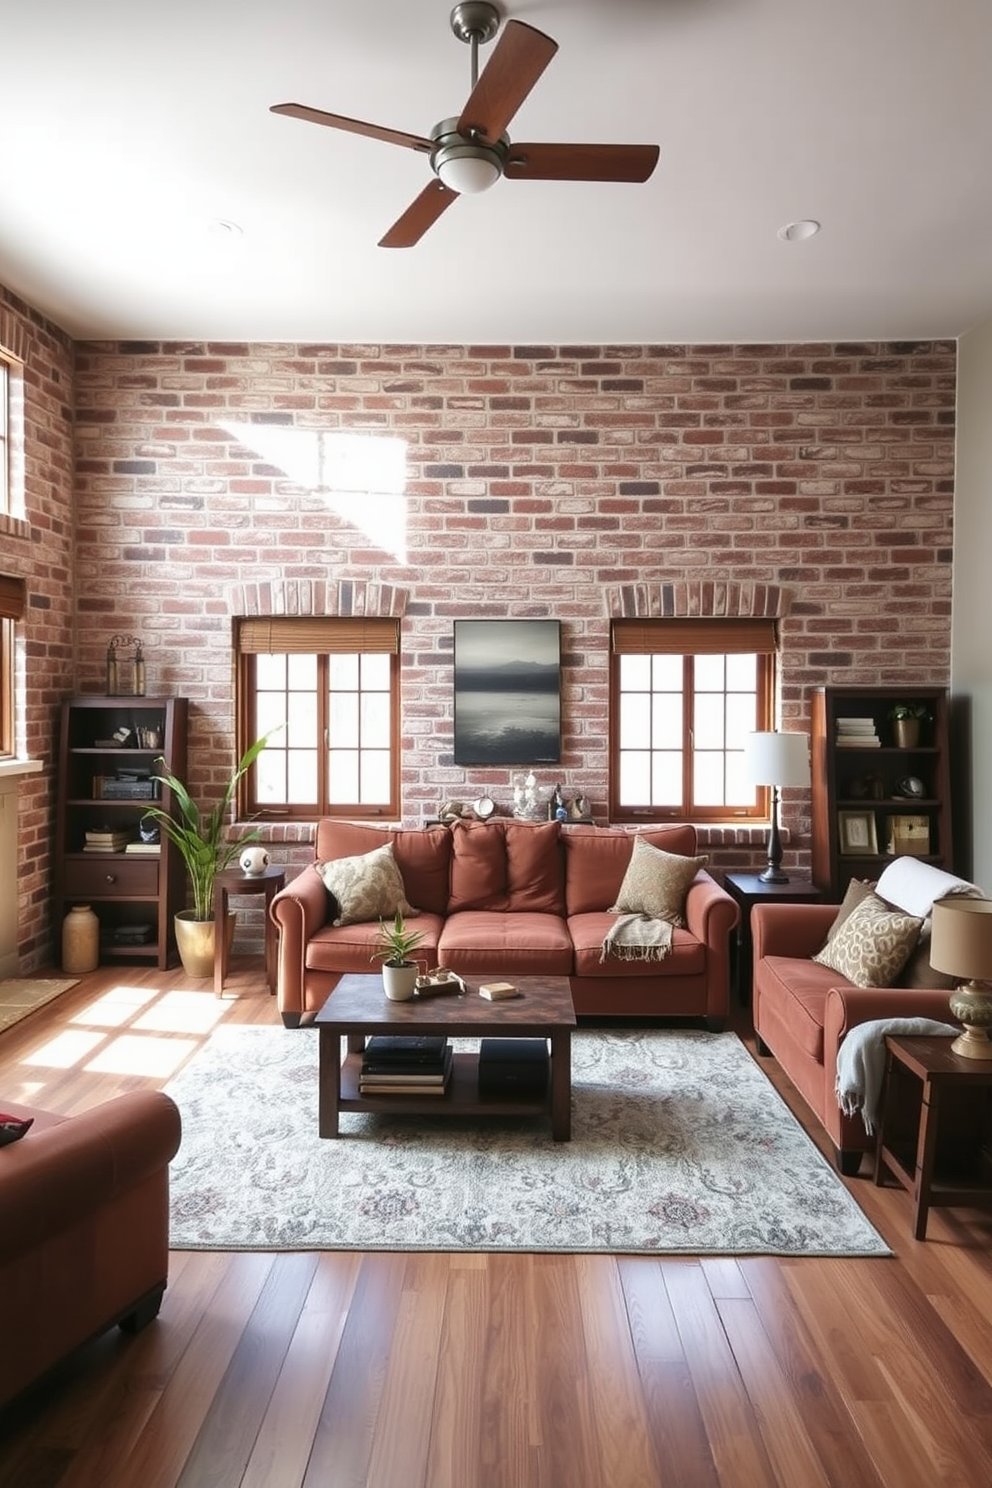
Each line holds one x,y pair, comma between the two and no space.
475,22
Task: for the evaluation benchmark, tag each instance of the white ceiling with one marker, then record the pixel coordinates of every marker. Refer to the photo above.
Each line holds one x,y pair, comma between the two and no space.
130,128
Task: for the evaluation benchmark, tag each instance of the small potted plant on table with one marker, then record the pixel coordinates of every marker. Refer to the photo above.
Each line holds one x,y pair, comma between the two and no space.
399,972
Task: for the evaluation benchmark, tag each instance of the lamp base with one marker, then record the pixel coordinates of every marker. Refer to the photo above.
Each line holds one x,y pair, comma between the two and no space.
773,874
974,1043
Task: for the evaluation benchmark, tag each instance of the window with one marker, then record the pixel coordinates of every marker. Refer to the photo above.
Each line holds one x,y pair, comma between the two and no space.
11,610
4,436
683,695
334,685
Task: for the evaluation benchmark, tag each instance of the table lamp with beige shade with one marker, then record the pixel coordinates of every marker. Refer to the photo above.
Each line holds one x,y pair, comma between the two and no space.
961,945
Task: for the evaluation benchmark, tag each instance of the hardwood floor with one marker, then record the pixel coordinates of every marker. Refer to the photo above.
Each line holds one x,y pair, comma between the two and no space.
497,1371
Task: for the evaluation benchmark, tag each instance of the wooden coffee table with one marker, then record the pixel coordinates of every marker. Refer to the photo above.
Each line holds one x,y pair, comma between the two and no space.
358,1007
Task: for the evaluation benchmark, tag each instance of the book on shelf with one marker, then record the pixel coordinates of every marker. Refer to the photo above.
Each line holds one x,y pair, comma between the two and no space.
144,849
106,842
405,1046
395,1089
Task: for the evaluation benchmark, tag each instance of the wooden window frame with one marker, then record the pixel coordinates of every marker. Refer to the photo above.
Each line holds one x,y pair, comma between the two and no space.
690,638
12,605
320,636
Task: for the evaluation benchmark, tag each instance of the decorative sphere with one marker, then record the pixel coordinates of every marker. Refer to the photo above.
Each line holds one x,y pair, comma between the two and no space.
254,860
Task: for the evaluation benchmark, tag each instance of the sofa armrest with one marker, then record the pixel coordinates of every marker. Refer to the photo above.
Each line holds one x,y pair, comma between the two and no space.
846,1007
299,910
790,929
54,1177
710,915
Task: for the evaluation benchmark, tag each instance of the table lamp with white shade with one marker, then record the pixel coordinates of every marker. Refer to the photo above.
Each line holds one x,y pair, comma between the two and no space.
961,945
776,759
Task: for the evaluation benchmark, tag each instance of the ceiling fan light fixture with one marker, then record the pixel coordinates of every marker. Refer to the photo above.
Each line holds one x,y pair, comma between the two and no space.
798,232
467,168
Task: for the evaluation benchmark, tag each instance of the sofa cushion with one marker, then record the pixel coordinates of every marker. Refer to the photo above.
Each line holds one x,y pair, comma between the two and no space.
423,855
535,869
794,990
488,943
596,860
656,883
350,947
478,867
369,887
872,945
686,958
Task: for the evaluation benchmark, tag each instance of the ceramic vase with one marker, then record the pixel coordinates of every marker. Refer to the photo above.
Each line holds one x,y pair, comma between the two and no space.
399,981
80,940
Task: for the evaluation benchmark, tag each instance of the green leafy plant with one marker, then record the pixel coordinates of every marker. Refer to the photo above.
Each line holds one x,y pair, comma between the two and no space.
200,836
395,942
899,711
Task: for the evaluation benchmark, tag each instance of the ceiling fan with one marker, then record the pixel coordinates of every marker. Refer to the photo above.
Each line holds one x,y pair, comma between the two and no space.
470,153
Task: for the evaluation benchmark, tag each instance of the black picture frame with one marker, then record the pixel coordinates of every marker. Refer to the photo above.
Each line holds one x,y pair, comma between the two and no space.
507,692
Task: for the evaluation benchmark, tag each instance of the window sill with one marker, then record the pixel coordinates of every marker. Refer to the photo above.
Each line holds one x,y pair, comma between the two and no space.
9,767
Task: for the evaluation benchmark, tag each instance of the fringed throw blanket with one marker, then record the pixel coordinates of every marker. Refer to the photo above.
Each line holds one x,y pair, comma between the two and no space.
637,937
861,1062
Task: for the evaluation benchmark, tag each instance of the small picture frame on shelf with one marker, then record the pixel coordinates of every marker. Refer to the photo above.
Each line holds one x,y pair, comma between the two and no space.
858,837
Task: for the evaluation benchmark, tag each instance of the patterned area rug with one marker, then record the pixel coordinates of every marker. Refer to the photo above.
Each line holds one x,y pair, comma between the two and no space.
679,1145
20,996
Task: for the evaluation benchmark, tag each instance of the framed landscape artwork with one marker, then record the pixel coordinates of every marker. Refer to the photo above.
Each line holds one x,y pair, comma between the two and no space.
507,692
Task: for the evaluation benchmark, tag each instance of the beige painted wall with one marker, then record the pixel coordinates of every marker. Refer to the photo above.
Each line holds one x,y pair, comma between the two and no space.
971,644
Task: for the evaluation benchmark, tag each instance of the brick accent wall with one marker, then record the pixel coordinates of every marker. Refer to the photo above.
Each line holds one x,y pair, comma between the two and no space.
539,481
37,546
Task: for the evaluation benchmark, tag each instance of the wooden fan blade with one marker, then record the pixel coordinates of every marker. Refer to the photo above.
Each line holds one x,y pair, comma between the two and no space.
419,216
519,57
581,162
352,126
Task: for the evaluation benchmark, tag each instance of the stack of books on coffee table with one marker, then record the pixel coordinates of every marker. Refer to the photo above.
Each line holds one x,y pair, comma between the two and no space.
398,1064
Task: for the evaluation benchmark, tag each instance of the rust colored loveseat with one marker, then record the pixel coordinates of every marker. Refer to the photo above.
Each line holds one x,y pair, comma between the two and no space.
803,1010
84,1229
507,898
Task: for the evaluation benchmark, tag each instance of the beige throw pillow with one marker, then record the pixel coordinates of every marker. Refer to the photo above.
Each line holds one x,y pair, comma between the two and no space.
656,883
873,944
369,887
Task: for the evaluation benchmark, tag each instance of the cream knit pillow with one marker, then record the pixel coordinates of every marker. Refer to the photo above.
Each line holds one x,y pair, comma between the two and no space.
656,883
369,887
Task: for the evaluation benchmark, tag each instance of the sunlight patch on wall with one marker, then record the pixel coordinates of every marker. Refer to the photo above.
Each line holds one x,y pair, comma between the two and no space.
361,477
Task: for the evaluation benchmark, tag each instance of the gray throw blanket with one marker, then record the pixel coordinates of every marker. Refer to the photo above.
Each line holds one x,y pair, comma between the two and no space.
637,937
861,1062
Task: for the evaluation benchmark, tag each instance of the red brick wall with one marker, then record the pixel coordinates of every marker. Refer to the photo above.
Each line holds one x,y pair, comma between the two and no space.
537,477
38,548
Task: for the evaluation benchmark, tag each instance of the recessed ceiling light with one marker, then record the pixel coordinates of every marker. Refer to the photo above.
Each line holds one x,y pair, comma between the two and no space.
797,232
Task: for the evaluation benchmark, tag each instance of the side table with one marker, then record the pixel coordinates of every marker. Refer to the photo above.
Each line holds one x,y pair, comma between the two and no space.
749,889
233,881
935,1126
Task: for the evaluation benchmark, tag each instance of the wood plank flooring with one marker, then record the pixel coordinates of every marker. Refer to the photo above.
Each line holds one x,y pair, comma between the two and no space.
341,1370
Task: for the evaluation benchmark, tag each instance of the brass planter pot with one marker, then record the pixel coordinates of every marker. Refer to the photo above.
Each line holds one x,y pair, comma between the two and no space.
195,942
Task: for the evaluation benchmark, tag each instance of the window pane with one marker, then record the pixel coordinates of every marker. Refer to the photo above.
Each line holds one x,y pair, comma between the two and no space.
342,785
270,712
343,672
666,673
270,672
635,673
302,765
742,673
343,719
635,720
635,777
708,722
375,776
710,672
741,718
666,779
708,778
376,672
302,672
301,730
375,721
739,791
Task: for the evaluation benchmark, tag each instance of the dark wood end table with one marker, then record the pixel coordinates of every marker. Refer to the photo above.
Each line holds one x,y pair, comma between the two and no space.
233,882
748,889
358,1007
936,1125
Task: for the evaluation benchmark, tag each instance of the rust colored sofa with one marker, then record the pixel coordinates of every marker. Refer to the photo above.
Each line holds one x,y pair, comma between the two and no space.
84,1229
507,898
802,1011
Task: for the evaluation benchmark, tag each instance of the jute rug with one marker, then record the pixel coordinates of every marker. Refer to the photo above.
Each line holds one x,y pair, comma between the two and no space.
20,996
679,1145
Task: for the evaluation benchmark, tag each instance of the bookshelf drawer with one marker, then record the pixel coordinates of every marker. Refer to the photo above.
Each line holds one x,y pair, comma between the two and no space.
85,878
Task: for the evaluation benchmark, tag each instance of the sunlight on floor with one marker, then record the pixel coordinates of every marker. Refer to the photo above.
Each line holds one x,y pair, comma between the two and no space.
182,1012
115,1007
133,1055
65,1050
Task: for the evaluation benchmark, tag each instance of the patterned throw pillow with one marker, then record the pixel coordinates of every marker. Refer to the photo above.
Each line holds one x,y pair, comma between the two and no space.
366,888
656,883
873,944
